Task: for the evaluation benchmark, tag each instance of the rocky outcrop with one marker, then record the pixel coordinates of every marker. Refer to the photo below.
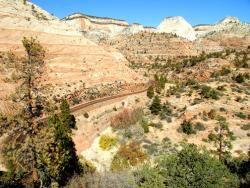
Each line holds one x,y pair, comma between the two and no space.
230,26
15,14
99,27
177,25
85,24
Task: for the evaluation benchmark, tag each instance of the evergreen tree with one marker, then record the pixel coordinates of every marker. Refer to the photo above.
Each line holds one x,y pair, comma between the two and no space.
20,144
195,168
222,138
59,155
150,92
156,105
160,83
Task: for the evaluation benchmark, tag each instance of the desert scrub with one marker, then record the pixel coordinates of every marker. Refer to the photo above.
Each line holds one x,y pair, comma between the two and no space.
223,72
241,115
208,92
187,127
144,124
158,125
240,78
128,155
246,127
126,118
106,142
199,126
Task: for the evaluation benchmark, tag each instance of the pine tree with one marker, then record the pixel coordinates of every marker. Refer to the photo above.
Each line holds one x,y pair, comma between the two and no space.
59,154
156,105
150,92
20,145
222,138
160,83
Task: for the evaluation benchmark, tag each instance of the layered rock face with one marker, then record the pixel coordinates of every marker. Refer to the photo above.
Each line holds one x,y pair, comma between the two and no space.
177,25
85,23
101,26
71,61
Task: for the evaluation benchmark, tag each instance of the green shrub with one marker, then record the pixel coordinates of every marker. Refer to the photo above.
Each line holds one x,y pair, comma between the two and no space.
224,71
199,126
106,142
211,137
240,64
187,127
86,115
75,101
148,177
246,127
150,92
222,109
158,125
155,107
195,168
240,78
208,92
144,124
241,115
212,114
167,110
166,113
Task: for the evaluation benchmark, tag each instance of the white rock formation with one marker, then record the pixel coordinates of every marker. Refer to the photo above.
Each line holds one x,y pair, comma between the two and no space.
230,25
177,25
98,27
15,14
229,20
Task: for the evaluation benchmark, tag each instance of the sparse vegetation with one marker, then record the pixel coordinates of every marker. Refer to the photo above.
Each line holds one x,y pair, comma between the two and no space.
246,127
208,92
126,118
222,138
128,155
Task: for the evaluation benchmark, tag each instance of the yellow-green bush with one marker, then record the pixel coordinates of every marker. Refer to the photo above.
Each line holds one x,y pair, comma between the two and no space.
106,142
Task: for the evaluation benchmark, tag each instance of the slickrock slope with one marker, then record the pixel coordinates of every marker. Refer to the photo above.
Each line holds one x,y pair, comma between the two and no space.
177,25
73,62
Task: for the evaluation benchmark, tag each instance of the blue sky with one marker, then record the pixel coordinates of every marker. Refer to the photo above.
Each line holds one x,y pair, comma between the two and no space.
152,12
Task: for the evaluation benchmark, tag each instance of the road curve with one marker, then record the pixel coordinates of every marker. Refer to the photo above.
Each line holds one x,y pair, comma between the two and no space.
96,101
